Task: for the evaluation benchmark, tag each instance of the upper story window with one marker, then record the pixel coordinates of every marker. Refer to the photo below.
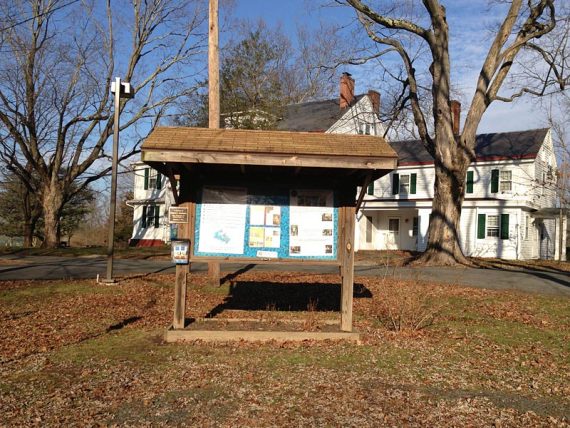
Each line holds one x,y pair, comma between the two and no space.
506,182
404,184
501,180
152,179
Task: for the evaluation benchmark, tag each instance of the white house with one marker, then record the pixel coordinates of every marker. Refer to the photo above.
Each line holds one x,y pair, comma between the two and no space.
508,207
151,199
508,210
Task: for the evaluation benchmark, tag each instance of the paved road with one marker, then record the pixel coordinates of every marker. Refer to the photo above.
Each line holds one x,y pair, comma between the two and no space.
38,267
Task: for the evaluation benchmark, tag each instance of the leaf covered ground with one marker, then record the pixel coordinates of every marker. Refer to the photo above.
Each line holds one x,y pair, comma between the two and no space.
81,353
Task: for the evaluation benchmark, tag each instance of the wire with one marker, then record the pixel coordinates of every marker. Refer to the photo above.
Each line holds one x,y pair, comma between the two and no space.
37,16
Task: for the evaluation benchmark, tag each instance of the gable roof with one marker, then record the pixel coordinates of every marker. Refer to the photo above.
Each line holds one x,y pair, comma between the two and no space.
314,116
493,146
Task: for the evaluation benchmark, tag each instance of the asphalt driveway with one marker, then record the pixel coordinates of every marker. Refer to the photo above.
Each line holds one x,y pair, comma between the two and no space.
549,282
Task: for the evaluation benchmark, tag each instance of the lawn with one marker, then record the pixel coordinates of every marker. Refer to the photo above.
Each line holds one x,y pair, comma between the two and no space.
79,353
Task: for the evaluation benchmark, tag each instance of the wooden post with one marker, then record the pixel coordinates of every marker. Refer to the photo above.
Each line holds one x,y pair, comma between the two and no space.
214,273
180,285
213,99
346,252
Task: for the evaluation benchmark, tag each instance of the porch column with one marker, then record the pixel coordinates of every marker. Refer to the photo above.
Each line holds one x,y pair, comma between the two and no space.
423,223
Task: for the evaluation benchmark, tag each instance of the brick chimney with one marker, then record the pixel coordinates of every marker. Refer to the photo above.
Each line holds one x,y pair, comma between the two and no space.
375,99
346,90
455,115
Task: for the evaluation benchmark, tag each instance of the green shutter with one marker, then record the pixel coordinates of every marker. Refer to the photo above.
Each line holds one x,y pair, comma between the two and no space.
481,226
143,219
469,184
494,180
158,180
395,184
146,174
504,226
413,180
370,189
156,216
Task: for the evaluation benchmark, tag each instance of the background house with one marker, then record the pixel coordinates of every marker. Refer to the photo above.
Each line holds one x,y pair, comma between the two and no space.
508,207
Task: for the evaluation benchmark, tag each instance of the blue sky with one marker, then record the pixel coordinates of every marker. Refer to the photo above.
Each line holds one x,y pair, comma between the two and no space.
470,38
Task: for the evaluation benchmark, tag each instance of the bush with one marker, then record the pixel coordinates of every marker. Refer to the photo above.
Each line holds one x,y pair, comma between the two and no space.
406,306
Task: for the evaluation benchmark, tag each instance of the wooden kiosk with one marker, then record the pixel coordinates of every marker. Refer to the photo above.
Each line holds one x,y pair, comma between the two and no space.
268,197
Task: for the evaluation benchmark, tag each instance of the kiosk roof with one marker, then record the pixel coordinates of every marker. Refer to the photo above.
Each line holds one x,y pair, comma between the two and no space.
277,148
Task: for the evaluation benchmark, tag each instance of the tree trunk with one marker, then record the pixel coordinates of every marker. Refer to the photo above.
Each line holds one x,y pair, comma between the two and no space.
28,233
52,202
443,246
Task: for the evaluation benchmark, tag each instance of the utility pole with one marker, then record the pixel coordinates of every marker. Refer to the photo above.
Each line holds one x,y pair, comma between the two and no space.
121,90
213,99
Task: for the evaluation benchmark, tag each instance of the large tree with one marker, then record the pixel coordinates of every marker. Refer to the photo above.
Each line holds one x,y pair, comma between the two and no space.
59,59
419,35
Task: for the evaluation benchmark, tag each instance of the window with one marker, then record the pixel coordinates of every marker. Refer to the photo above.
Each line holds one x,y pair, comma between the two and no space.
151,216
506,184
404,183
492,225
152,179
368,229
502,181
370,189
526,226
367,129
415,226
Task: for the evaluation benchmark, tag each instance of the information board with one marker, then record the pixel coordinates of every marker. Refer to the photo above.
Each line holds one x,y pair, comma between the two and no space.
290,223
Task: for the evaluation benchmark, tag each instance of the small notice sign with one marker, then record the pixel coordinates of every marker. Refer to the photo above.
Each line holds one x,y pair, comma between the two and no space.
180,251
178,215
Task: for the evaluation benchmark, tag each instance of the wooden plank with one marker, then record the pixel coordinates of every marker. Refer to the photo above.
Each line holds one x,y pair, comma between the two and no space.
264,261
171,336
348,162
347,269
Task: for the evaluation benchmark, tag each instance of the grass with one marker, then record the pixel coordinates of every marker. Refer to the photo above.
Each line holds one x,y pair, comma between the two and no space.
489,358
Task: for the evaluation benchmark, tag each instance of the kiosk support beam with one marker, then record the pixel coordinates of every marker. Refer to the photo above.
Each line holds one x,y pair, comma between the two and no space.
346,250
180,285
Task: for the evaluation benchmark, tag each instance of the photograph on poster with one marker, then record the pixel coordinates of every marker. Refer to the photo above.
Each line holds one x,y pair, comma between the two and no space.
294,230
327,217
272,216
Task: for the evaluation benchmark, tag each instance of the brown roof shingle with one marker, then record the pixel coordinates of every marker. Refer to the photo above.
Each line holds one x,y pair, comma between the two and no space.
266,142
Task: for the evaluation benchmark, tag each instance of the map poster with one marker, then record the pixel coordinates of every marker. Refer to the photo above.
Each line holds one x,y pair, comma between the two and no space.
311,224
222,220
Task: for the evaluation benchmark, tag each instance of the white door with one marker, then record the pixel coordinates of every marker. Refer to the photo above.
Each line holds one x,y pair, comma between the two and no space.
393,237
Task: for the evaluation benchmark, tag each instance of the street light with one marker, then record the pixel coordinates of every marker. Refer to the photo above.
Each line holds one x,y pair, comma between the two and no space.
121,90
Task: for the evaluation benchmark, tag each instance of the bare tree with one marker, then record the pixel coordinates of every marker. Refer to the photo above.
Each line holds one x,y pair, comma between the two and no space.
58,61
419,35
